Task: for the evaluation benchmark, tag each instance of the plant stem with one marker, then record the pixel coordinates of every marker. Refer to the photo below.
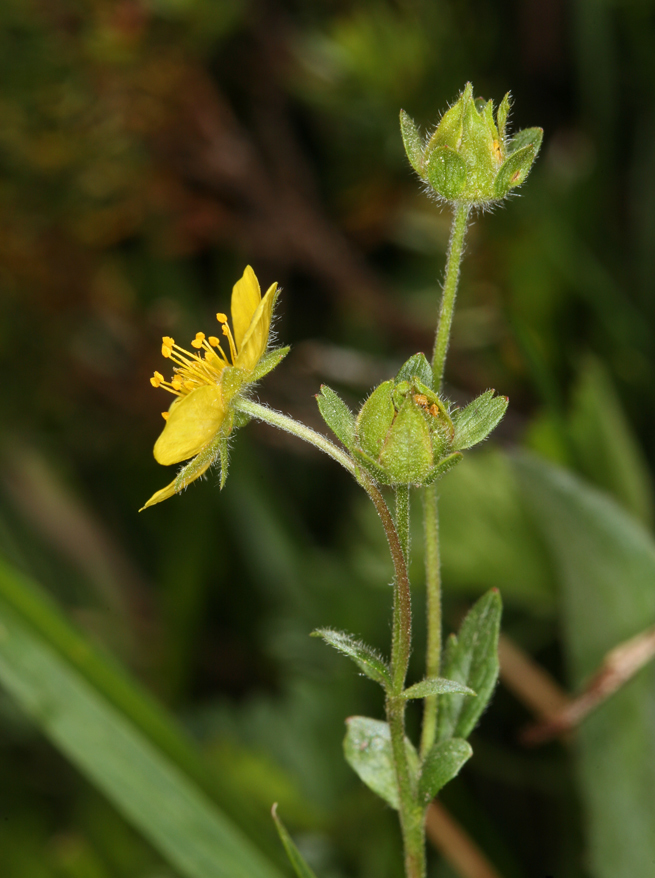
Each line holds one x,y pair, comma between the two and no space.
433,609
410,812
430,496
451,279
402,518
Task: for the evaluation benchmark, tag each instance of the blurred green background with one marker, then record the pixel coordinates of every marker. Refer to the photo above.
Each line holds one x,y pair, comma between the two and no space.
149,150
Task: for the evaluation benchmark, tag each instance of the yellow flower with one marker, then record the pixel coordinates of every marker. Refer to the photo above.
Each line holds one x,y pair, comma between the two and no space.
205,383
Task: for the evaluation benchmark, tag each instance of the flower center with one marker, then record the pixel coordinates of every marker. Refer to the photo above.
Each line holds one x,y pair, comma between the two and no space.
193,370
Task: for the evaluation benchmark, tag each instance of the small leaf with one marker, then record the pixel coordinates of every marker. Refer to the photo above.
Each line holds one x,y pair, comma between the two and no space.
367,748
446,172
417,367
514,170
436,686
363,655
337,415
472,659
441,765
296,859
413,143
474,422
267,363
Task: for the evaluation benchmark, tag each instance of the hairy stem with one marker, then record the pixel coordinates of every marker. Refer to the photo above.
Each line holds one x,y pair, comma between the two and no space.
433,596
451,280
402,518
430,497
411,813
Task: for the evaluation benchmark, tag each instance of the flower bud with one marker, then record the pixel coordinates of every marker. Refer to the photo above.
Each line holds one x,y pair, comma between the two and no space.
469,159
403,433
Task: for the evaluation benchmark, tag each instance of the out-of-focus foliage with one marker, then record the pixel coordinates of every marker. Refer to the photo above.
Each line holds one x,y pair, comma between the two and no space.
148,151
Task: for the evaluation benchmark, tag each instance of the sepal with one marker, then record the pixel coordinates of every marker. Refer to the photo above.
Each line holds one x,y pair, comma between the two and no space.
413,143
444,466
416,368
475,421
337,415
446,172
267,363
514,170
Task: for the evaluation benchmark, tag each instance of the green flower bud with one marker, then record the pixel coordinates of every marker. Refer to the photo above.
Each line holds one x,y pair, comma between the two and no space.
469,158
404,434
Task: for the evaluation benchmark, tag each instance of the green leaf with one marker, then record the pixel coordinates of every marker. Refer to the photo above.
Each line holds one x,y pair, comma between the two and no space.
442,764
471,658
416,367
367,748
446,172
297,860
476,421
606,565
337,416
363,655
413,143
112,732
267,363
436,686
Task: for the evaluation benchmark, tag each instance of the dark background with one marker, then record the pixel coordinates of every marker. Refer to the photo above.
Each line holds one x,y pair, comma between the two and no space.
148,152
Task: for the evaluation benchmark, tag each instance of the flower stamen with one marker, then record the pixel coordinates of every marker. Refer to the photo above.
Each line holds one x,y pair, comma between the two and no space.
227,332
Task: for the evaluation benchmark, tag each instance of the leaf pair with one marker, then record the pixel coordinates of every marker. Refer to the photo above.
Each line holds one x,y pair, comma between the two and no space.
375,667
367,747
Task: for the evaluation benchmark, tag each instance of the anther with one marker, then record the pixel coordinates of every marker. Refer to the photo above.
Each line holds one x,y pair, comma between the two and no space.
166,351
222,318
198,340
156,379
165,415
213,341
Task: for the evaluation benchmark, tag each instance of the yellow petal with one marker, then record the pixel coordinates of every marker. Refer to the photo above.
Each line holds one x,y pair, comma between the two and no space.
175,487
194,420
255,341
246,296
